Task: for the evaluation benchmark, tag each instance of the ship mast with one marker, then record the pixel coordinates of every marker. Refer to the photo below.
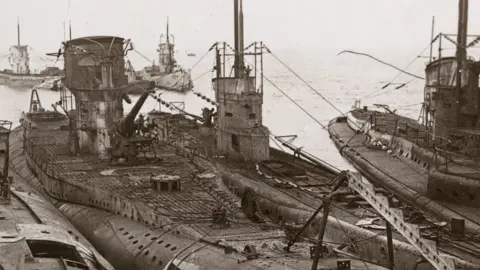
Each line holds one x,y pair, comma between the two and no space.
241,64
461,54
168,46
18,31
236,63
238,66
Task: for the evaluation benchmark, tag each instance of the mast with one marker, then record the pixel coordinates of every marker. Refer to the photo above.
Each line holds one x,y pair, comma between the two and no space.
70,29
431,38
461,54
18,31
235,20
241,64
168,46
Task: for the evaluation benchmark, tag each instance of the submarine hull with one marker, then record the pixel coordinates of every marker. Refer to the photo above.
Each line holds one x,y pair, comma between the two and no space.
130,245
402,168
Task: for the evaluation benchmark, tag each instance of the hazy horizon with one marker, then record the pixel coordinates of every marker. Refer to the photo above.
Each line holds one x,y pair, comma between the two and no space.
391,30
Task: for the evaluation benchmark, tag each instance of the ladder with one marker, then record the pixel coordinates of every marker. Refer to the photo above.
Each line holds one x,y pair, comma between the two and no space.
394,216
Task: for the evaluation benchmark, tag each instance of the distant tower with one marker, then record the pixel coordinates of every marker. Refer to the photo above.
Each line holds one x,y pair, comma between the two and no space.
166,59
19,58
240,133
95,74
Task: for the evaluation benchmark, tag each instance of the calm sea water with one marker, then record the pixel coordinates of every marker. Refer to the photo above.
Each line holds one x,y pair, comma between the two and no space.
340,79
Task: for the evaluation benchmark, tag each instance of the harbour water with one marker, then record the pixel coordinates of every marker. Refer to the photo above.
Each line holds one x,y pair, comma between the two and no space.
340,79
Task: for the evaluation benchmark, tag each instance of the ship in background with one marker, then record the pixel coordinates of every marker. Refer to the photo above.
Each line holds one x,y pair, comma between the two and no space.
168,74
431,162
20,75
33,233
214,179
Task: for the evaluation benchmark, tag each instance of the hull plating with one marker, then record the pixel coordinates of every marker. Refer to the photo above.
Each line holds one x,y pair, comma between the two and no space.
403,171
179,81
19,81
130,245
42,216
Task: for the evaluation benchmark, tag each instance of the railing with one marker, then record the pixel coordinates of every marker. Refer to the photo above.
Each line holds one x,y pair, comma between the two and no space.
444,150
414,133
457,158
6,124
185,143
40,156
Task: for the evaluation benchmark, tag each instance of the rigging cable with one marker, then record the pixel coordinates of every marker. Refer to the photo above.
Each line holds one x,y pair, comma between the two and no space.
338,221
383,62
402,71
306,83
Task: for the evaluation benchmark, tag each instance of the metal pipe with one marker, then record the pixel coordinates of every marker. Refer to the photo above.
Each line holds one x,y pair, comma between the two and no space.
391,259
321,233
261,66
339,181
461,54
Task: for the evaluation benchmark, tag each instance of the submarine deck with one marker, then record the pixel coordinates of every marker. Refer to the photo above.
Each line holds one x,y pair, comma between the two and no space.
460,166
199,196
408,174
196,200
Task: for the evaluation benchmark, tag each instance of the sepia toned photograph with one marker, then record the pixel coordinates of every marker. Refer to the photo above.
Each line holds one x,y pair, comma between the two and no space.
239,134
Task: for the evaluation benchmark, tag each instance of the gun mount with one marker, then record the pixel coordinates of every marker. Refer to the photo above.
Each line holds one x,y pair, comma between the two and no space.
125,143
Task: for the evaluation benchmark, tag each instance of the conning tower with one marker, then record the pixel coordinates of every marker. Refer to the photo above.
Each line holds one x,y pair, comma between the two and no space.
95,74
452,92
166,58
240,131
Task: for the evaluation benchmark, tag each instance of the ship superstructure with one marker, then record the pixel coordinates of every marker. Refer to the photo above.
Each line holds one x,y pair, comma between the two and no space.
20,75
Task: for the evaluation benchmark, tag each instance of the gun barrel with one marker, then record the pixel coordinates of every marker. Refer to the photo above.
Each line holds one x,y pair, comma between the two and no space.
136,108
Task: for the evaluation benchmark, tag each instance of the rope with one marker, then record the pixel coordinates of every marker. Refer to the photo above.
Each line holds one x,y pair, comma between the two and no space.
383,62
146,58
376,94
305,82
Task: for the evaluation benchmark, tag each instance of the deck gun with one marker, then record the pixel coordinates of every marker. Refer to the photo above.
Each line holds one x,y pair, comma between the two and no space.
124,141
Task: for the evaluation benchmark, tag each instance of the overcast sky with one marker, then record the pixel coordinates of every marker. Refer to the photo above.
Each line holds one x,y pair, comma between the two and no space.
383,26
